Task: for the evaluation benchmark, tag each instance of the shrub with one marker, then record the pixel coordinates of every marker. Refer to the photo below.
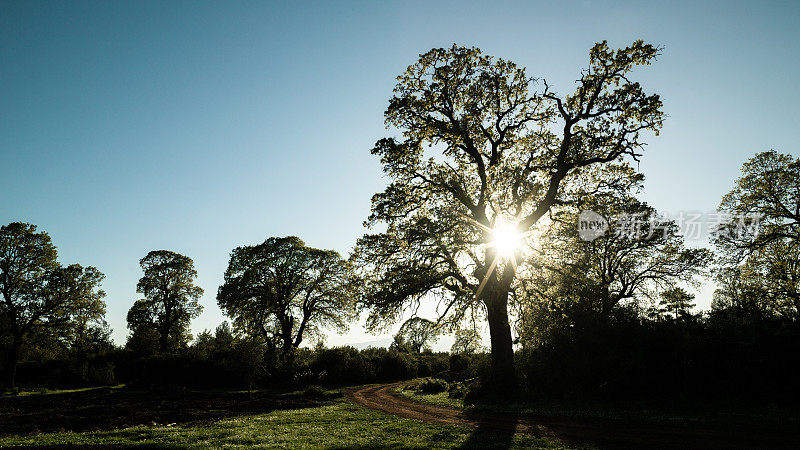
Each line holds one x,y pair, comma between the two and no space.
432,386
459,389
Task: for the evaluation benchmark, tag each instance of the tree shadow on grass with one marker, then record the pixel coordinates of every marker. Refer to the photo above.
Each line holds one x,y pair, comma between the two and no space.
493,433
107,408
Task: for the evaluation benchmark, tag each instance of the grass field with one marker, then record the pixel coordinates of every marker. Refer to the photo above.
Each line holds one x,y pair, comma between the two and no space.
311,418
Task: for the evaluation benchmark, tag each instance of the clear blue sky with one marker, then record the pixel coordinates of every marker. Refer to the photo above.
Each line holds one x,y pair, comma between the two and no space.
129,126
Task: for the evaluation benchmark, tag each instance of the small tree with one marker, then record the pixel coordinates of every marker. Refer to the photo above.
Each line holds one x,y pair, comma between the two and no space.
414,335
467,341
170,299
142,324
677,302
203,344
281,291
207,344
224,336
582,281
39,294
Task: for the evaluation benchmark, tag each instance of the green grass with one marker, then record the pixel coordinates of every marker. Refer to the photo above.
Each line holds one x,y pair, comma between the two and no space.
46,391
336,424
439,399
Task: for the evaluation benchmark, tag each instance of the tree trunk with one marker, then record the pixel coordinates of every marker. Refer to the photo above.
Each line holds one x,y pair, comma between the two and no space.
11,361
163,340
502,379
164,327
287,325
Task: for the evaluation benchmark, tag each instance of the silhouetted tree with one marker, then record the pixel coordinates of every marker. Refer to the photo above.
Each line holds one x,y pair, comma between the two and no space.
224,336
414,335
203,344
770,189
281,291
482,147
573,280
207,344
39,294
144,338
170,299
467,341
676,301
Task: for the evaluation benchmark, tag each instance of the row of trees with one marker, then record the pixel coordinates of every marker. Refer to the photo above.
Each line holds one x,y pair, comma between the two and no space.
484,148
277,293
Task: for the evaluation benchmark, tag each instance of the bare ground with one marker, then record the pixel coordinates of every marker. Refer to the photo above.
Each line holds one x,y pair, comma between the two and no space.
574,431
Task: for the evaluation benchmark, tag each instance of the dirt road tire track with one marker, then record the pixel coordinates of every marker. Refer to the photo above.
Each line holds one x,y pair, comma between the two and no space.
577,431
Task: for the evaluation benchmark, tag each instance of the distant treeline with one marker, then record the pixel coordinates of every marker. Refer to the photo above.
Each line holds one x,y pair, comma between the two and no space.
727,356
241,364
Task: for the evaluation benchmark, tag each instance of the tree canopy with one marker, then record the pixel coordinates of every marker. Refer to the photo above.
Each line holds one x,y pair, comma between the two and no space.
573,280
415,335
283,291
759,247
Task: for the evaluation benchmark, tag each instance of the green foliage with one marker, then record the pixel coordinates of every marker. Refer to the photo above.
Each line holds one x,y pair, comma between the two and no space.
677,302
724,359
465,366
770,188
467,341
432,386
207,345
144,336
759,263
281,291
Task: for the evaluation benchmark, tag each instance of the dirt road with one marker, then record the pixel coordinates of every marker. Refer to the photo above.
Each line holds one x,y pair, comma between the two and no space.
576,431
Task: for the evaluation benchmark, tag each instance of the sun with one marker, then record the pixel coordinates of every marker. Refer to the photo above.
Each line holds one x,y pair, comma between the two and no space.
507,239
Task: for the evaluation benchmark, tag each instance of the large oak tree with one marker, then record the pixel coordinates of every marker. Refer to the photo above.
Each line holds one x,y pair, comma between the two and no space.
483,144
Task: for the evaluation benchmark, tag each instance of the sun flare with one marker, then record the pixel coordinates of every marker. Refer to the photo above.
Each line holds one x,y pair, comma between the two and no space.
507,239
